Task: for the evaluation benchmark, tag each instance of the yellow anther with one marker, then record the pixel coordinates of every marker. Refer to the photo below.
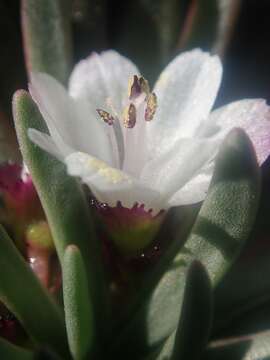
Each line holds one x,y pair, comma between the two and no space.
129,116
144,85
151,107
105,116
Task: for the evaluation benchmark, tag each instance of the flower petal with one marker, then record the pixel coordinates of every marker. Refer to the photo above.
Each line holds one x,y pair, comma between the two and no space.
102,78
195,190
70,122
170,172
251,115
110,185
45,142
186,91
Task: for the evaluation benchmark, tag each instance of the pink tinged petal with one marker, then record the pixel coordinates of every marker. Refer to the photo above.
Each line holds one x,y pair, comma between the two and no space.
72,124
102,77
110,185
186,91
174,169
251,115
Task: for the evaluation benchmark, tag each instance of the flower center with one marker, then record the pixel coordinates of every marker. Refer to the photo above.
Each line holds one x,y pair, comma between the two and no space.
142,104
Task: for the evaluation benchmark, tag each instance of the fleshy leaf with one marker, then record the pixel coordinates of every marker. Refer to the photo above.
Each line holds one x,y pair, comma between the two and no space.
191,337
228,213
10,351
222,226
196,315
232,300
250,347
37,312
63,200
78,311
46,35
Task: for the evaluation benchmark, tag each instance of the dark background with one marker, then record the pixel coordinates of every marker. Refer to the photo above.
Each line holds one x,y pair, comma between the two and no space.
247,61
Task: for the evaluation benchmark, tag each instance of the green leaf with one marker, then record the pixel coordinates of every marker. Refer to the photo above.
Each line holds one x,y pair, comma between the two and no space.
46,34
222,226
232,300
248,322
78,310
196,315
13,352
191,337
249,270
250,347
46,354
229,210
64,202
24,296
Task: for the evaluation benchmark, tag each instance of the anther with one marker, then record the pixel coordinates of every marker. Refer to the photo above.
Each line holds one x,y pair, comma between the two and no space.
144,85
137,86
134,87
129,116
105,116
151,107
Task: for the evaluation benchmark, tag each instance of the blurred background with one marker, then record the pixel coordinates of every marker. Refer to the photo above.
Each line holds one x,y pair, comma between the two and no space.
150,32
247,58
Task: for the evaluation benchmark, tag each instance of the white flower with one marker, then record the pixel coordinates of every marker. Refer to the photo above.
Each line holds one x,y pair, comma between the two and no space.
136,146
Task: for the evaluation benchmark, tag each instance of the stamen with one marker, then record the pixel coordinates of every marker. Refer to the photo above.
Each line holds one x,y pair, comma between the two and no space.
144,85
106,117
137,86
151,107
129,116
134,87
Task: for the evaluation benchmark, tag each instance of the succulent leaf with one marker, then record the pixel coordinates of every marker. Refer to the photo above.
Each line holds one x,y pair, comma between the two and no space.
10,351
222,226
228,213
196,315
35,309
63,200
46,35
77,304
191,336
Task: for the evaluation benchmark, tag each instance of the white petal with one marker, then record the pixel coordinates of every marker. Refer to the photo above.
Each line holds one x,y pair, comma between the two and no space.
195,190
186,91
45,142
251,115
174,169
71,122
102,78
110,185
